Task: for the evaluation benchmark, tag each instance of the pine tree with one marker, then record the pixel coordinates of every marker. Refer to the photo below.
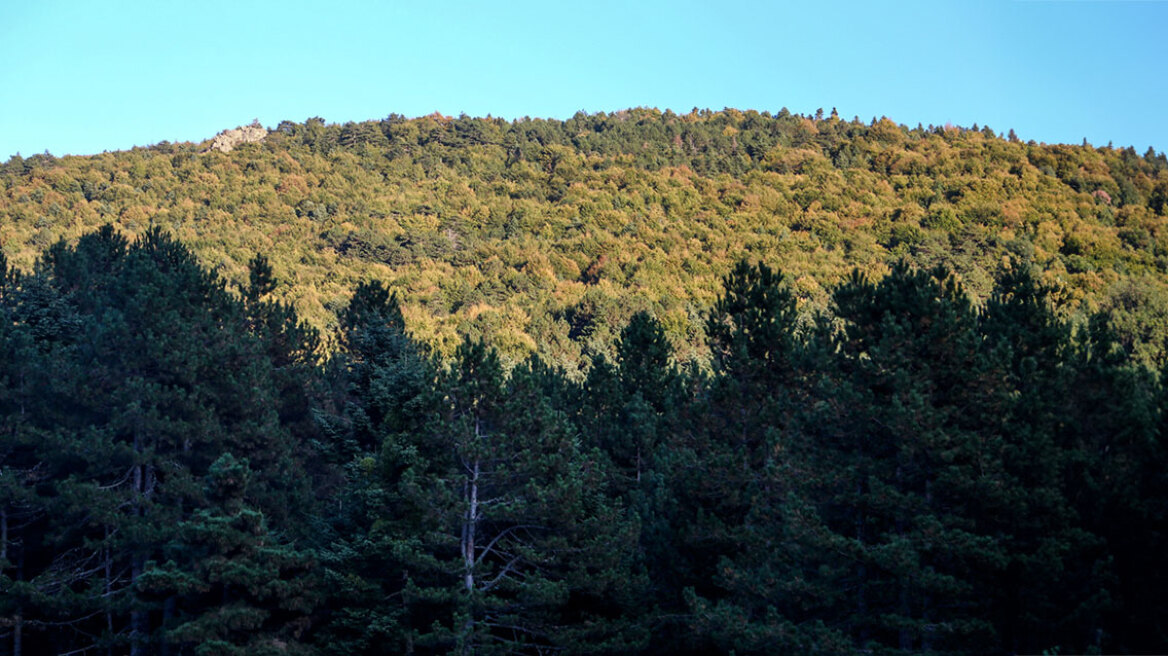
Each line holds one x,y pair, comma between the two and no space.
147,374
744,582
902,465
378,432
497,536
231,585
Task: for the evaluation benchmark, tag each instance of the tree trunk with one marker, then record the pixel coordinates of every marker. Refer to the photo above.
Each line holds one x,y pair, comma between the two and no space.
861,573
469,529
18,620
469,526
4,556
905,635
109,584
927,614
168,608
139,621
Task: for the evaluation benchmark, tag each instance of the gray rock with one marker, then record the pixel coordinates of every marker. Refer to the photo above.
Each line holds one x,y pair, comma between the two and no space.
227,140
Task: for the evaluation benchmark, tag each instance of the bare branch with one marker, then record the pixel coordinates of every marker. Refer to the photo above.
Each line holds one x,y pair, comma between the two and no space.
508,568
502,534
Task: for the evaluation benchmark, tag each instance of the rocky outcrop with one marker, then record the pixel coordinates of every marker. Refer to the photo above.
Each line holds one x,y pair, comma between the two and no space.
227,140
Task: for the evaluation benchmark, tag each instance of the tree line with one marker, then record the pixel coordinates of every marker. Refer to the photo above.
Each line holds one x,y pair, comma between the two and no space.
187,468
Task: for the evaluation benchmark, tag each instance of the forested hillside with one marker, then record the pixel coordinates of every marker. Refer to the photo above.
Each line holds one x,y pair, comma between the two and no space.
638,383
184,470
545,237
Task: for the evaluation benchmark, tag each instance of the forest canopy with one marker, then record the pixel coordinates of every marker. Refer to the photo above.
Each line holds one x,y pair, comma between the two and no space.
546,236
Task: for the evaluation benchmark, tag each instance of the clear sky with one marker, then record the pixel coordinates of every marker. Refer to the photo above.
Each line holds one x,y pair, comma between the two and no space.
79,77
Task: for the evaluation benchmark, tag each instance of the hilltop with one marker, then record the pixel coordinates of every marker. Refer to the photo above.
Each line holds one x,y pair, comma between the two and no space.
546,236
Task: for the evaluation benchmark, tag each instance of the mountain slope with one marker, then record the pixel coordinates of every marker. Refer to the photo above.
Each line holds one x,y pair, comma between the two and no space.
546,236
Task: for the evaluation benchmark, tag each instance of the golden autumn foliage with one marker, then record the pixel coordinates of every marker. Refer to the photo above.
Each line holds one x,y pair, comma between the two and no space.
546,236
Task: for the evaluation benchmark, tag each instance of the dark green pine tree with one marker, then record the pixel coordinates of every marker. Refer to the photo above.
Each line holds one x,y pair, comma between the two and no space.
232,586
22,510
903,464
745,538
389,377
173,376
1033,352
376,428
632,413
1077,497
496,535
292,348
650,387
1111,442
598,408
44,528
752,329
147,374
1139,536
579,581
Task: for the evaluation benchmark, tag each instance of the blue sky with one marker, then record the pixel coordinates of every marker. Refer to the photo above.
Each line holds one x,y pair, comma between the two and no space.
83,77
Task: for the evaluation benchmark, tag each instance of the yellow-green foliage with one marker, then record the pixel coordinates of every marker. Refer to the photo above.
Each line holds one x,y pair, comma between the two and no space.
545,236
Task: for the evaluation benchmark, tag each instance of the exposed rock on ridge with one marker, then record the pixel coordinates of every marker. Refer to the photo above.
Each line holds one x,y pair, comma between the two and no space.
227,140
